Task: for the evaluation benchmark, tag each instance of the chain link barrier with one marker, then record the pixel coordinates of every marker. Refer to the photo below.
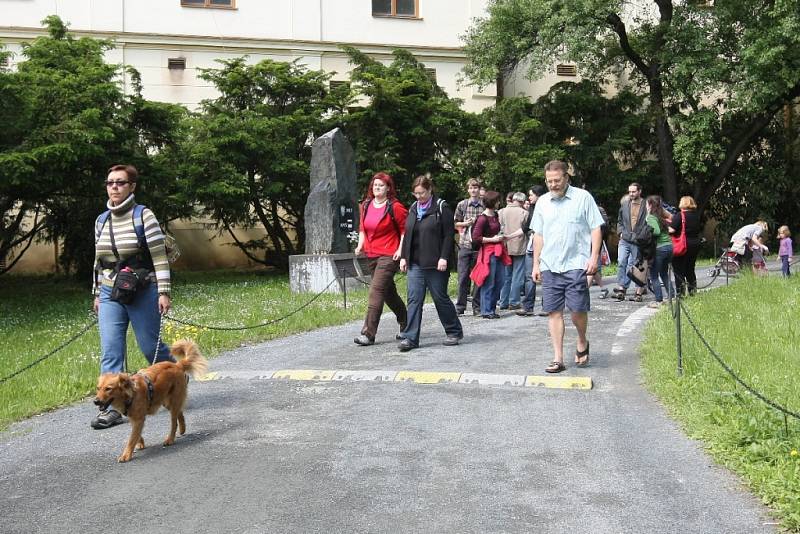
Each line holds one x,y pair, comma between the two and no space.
251,327
727,368
169,317
55,350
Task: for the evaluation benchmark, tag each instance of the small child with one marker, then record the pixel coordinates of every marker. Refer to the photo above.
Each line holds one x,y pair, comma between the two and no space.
759,251
785,249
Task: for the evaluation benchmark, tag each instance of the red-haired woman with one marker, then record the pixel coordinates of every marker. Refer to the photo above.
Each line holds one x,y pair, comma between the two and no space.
383,222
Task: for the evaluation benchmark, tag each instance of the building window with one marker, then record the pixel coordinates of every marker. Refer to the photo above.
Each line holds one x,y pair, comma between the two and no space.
176,63
567,70
225,4
395,8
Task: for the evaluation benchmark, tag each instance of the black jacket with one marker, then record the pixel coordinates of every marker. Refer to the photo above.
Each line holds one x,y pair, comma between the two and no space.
693,226
435,235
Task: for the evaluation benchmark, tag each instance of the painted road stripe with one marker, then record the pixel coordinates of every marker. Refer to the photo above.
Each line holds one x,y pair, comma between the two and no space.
417,377
559,382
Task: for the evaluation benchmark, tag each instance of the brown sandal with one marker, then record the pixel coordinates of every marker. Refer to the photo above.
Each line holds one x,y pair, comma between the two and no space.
579,354
555,367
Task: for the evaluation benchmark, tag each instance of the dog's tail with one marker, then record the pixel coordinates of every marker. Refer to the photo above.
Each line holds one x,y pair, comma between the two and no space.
189,358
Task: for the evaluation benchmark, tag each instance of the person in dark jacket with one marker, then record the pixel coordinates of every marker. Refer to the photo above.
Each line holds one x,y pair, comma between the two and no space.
426,247
683,266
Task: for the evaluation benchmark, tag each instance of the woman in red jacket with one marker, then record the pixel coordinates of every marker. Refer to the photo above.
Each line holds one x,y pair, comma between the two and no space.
383,222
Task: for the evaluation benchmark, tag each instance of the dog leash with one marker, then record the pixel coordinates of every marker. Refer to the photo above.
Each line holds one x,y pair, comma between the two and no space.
158,341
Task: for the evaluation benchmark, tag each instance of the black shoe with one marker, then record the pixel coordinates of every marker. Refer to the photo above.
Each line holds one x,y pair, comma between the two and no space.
525,313
490,316
460,312
514,306
400,336
450,341
406,345
364,340
542,314
107,419
503,307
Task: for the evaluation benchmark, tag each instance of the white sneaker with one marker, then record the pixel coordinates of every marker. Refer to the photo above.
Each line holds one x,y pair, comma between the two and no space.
654,305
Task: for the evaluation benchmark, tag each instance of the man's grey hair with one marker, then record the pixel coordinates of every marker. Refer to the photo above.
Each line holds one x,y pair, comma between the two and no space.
519,196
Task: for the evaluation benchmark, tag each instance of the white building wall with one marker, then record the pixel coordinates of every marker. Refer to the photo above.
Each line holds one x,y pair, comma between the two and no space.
149,32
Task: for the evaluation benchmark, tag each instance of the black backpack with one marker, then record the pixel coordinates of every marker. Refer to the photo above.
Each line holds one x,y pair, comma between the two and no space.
389,209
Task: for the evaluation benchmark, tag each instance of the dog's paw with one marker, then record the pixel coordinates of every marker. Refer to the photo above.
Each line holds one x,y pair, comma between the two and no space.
124,457
168,442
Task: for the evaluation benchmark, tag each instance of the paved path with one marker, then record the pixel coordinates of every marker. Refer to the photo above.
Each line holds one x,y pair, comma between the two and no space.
270,455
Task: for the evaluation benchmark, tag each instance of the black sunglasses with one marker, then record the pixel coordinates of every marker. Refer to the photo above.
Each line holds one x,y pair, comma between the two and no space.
118,183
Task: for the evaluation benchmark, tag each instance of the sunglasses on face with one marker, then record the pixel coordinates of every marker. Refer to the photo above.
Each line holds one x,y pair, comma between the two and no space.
118,183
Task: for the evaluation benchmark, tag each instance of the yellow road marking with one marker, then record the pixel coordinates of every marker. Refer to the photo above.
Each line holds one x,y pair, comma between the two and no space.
208,376
560,382
422,377
304,374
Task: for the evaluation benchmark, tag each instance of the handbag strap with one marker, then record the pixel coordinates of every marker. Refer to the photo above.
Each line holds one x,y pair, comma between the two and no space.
111,235
683,222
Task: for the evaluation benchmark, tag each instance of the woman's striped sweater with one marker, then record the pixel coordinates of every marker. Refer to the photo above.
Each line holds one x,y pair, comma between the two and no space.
128,244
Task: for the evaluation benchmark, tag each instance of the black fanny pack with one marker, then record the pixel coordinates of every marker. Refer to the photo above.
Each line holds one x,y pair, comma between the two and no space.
127,283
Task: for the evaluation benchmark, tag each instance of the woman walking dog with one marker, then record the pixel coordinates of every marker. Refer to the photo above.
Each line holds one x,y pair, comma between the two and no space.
383,223
132,279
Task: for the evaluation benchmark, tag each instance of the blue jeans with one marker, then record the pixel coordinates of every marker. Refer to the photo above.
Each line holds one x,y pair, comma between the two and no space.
513,282
660,269
785,270
490,290
419,280
113,319
530,286
626,257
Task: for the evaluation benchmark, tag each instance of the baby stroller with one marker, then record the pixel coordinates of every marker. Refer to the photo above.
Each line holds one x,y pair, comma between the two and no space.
729,263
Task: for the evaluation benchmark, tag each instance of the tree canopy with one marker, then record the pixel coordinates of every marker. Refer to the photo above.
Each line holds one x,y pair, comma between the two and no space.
714,77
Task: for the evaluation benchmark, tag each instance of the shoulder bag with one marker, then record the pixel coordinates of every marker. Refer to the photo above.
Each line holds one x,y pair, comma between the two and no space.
679,243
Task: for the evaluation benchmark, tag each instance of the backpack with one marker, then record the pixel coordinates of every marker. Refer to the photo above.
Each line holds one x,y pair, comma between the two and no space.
170,245
138,226
643,237
389,208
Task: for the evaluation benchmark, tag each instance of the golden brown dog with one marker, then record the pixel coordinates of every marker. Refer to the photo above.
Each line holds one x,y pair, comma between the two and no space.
162,384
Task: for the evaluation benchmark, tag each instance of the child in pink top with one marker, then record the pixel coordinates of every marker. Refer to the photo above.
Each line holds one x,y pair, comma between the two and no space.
785,249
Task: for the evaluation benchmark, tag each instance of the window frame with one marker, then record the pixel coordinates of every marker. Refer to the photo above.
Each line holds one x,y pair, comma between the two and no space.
394,15
208,5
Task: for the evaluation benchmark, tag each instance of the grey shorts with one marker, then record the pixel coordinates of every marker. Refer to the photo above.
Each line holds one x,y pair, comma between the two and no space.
567,288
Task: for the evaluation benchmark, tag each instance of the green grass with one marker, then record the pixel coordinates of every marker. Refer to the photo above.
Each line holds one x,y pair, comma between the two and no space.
753,326
39,313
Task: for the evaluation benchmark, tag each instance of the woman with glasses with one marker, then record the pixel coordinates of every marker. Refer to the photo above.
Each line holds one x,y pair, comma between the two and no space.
427,246
128,238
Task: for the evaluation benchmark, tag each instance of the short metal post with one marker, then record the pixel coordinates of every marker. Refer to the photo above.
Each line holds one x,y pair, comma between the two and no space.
344,290
678,335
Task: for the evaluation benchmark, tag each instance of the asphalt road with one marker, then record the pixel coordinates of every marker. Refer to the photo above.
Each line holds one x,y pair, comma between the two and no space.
269,455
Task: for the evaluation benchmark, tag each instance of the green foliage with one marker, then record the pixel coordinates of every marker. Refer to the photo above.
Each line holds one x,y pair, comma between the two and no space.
514,146
407,125
248,154
714,78
747,326
70,121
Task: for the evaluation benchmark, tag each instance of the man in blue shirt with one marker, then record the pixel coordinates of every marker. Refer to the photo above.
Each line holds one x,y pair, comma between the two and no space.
566,248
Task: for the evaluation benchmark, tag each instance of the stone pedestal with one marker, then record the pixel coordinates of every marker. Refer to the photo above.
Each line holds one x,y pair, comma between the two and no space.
311,273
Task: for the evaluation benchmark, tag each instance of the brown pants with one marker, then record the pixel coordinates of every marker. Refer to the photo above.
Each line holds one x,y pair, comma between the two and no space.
383,290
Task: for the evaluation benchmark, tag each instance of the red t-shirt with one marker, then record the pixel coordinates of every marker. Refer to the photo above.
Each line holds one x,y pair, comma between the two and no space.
381,236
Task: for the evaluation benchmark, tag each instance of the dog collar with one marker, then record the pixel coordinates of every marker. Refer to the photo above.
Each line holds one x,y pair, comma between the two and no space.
149,393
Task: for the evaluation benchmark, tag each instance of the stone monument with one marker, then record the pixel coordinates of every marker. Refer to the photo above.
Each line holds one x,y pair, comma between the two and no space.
331,215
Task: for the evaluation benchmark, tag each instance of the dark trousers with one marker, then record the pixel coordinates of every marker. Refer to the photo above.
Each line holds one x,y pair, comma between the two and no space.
683,267
466,261
422,280
383,290
785,266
